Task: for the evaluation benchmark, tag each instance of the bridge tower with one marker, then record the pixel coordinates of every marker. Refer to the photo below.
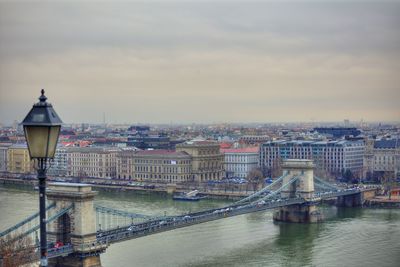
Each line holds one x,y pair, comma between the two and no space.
302,187
77,227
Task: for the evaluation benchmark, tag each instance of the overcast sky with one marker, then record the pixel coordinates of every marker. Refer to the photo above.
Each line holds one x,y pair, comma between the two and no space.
201,61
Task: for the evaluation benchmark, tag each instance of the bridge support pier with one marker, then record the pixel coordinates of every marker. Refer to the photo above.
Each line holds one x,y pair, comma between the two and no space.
78,227
302,187
355,200
75,261
298,214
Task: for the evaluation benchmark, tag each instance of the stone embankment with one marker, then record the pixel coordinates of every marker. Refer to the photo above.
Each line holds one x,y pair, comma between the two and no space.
112,186
383,202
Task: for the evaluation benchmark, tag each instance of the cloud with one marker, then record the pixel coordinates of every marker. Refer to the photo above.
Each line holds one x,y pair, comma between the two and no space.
200,62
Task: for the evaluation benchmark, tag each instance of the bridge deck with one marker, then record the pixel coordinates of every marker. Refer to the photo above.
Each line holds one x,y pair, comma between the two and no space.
171,223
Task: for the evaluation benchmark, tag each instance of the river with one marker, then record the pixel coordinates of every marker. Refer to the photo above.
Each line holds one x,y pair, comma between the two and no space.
348,236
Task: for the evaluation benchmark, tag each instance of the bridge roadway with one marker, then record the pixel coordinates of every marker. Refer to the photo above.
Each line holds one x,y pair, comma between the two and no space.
163,224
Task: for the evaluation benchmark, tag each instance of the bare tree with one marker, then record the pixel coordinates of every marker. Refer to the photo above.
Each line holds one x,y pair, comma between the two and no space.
17,251
276,169
255,177
388,182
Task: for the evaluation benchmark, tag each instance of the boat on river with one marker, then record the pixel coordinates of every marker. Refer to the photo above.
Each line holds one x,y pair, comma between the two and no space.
190,196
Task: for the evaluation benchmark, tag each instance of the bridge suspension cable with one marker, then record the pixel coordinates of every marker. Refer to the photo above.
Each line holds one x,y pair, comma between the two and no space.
322,187
319,181
49,220
108,218
28,221
260,192
102,209
274,193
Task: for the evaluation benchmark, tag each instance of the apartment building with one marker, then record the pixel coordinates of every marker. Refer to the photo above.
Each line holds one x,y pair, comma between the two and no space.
98,162
332,156
162,166
59,166
18,159
382,157
3,156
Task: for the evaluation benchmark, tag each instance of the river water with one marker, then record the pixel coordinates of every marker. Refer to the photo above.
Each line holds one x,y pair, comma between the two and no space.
348,237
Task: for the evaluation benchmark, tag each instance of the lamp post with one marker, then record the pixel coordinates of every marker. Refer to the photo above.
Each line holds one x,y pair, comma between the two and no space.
42,128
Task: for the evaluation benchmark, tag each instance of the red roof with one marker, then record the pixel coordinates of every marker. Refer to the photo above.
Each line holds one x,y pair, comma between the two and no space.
225,145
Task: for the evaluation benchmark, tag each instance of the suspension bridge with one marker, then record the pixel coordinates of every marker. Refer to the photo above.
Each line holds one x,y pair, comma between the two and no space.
85,229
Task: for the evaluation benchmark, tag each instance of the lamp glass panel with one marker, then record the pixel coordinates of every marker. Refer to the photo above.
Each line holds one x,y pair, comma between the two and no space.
37,138
53,138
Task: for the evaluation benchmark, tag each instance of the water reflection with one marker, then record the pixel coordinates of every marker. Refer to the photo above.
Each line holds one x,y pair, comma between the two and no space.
296,242
349,213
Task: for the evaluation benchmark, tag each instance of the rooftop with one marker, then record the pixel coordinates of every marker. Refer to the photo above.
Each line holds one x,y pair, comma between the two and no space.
253,149
391,143
161,152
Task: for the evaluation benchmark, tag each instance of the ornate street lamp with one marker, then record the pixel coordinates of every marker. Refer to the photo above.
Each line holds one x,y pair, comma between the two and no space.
42,128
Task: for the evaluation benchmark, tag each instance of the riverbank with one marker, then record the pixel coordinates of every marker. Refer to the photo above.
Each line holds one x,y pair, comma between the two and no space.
161,190
383,202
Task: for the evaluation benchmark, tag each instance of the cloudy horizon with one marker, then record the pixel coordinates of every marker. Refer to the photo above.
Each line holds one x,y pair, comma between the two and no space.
185,62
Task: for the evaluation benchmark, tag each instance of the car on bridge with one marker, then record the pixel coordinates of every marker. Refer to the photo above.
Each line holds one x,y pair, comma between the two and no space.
131,228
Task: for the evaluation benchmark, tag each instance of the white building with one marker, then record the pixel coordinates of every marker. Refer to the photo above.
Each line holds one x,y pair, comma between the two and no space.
332,156
59,163
3,156
240,161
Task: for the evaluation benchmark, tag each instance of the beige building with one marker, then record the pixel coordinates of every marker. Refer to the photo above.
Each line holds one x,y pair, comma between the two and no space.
18,160
99,162
125,166
162,166
207,160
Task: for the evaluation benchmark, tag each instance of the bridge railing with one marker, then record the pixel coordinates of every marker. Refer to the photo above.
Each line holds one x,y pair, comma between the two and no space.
63,250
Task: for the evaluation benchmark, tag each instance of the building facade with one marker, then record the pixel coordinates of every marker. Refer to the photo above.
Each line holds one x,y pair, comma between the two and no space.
125,163
59,163
99,162
3,156
162,166
207,160
239,162
18,159
332,156
382,157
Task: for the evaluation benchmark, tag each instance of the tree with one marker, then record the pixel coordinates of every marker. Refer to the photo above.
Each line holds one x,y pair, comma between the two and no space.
276,169
17,251
347,175
388,182
255,177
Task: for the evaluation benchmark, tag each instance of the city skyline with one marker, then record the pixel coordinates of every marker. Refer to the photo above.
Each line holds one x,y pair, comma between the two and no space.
200,62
